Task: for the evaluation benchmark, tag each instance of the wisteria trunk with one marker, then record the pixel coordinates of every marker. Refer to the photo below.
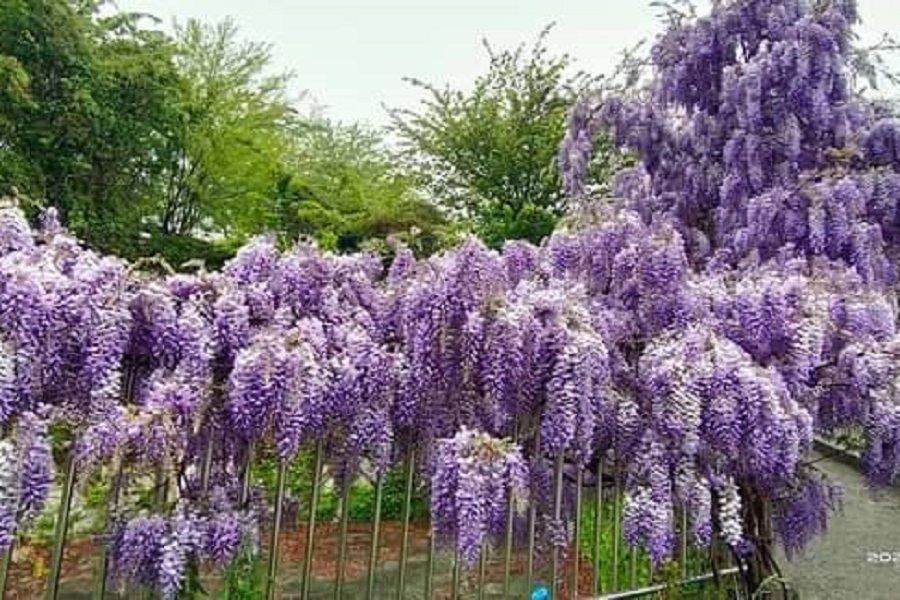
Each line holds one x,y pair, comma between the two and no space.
758,566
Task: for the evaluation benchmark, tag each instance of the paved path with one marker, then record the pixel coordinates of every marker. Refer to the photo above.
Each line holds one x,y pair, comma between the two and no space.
836,565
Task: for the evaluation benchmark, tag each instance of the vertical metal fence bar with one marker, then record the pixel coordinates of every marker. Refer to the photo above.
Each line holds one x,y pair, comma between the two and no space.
429,563
245,477
454,583
373,550
311,523
557,513
482,570
272,571
207,464
632,571
598,523
112,509
684,538
407,509
713,560
576,552
507,554
161,487
617,513
532,516
4,565
62,524
342,540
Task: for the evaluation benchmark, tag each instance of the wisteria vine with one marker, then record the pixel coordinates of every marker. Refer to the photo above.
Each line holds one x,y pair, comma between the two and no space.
735,298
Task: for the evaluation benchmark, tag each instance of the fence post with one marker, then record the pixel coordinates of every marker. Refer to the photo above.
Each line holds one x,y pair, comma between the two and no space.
617,513
311,523
684,538
342,540
111,511
507,556
632,571
62,524
576,553
407,509
598,522
272,571
429,561
245,477
376,525
161,486
557,514
4,565
482,570
454,583
532,516
206,465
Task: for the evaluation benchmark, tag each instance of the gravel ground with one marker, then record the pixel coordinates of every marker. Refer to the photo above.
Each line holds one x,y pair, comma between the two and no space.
838,565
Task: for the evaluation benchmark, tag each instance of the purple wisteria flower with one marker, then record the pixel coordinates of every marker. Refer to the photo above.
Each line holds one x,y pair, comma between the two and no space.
472,477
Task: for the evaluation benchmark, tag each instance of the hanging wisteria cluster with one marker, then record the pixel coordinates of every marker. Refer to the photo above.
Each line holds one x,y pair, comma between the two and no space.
472,480
694,333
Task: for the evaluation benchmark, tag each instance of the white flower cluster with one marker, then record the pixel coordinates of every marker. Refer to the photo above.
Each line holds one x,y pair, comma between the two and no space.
8,491
730,514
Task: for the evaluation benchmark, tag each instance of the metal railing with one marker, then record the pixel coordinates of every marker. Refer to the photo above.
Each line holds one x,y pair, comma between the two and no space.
511,568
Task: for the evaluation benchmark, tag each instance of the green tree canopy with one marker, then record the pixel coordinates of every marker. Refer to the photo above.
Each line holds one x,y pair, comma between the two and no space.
86,113
489,154
347,192
235,135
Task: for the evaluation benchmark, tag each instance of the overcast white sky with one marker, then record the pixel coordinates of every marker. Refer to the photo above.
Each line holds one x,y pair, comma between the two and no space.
351,55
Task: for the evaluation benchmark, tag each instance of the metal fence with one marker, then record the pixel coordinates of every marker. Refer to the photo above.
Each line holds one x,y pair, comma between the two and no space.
596,564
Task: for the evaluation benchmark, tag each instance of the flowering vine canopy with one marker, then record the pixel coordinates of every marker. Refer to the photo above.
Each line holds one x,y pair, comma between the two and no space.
734,299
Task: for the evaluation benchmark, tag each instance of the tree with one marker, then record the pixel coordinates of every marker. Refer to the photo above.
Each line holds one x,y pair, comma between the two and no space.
148,144
233,138
346,192
489,154
86,113
756,247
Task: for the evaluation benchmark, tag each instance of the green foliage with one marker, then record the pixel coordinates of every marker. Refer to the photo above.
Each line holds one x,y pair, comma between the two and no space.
298,488
245,576
490,154
850,437
362,498
697,561
95,500
298,483
183,146
85,113
43,530
609,546
192,587
233,136
177,250
362,501
395,494
346,192
499,222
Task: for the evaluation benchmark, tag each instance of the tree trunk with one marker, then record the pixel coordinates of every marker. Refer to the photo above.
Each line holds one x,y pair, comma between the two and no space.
759,566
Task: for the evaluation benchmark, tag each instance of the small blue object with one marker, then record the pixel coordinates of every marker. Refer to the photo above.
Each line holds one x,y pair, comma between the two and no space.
540,593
